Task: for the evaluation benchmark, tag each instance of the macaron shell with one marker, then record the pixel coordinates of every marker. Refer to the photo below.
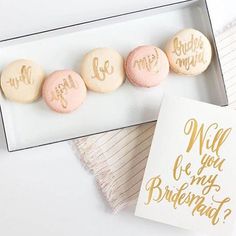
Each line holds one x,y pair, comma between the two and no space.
21,81
147,66
195,59
102,70
64,91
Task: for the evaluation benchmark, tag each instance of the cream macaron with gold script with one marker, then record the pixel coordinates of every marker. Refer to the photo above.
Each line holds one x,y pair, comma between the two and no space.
102,70
189,52
21,81
64,91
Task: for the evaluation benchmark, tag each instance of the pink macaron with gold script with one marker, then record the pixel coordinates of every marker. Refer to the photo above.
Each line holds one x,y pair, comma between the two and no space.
147,66
64,91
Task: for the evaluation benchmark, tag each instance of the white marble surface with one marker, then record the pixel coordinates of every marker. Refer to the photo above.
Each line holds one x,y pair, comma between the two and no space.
46,191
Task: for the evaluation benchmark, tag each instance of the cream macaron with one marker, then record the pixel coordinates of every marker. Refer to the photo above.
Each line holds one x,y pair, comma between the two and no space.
189,52
64,91
147,66
102,70
21,81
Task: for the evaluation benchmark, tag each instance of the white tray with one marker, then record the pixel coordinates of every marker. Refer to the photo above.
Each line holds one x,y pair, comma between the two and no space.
35,124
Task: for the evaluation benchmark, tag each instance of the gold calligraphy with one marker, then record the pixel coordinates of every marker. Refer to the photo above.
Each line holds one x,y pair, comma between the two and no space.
189,53
148,63
60,91
25,77
101,72
201,134
206,141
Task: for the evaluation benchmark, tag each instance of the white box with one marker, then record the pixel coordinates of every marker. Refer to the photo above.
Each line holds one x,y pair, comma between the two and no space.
35,124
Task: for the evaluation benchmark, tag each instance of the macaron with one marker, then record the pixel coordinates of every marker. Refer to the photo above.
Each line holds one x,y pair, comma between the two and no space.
189,52
102,70
21,81
147,66
64,91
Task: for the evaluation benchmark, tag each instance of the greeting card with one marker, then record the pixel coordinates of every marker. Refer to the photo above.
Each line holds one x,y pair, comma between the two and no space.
189,181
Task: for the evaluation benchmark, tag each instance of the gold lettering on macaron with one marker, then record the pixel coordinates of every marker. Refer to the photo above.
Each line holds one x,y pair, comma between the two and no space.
183,48
148,62
61,90
191,61
25,77
101,72
190,53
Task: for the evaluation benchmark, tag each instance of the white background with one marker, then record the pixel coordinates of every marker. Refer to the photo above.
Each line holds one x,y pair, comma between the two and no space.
46,191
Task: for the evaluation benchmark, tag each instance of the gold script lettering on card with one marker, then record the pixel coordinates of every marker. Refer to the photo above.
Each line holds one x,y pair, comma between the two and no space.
182,196
148,63
198,167
101,72
61,90
190,53
25,78
202,136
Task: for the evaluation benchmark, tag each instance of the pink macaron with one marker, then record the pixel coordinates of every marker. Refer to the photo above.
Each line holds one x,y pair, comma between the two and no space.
147,66
64,91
